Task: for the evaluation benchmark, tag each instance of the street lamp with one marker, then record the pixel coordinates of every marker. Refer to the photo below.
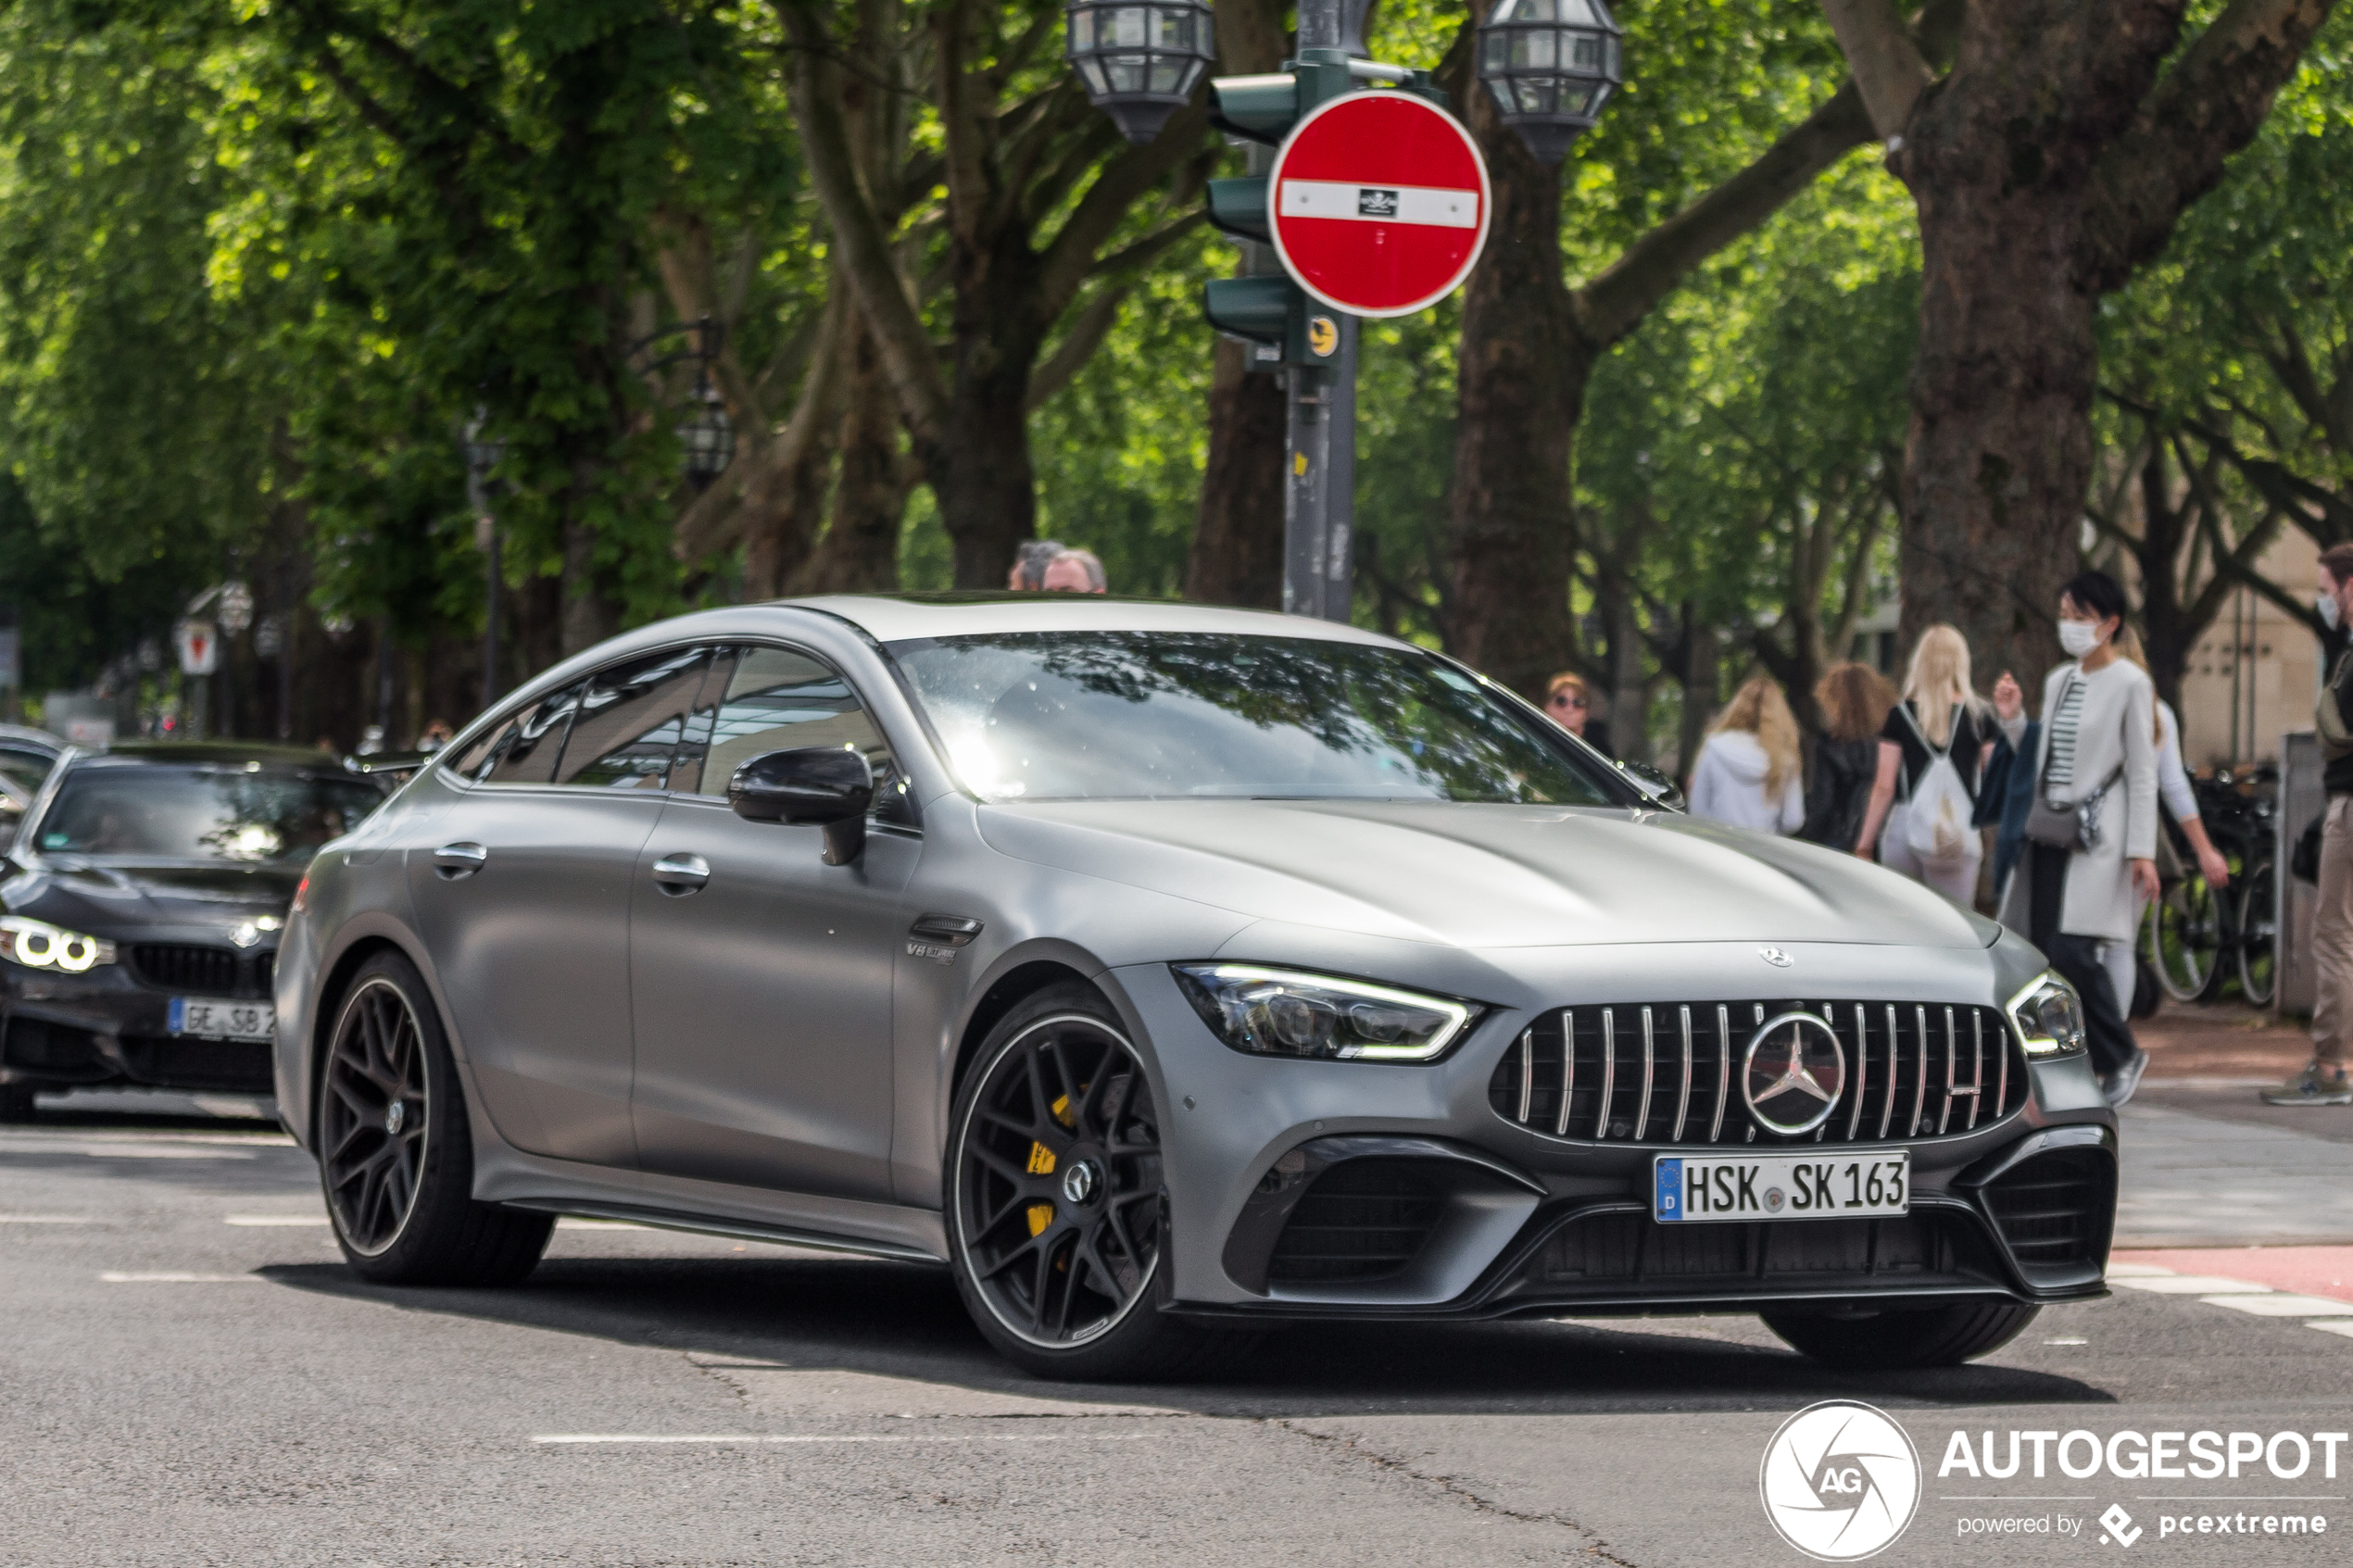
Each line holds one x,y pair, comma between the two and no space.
484,453
1551,64
707,434
1139,63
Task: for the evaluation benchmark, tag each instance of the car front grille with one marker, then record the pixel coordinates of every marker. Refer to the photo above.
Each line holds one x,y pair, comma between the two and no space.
2054,1210
202,970
1670,1072
1621,1251
171,1062
1362,1220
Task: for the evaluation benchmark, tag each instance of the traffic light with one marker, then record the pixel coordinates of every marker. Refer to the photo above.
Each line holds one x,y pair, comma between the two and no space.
1265,307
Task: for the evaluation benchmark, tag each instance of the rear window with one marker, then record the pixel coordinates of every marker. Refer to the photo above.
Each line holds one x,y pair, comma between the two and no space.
175,812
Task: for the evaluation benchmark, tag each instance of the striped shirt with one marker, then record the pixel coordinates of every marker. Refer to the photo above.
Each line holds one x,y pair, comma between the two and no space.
2058,772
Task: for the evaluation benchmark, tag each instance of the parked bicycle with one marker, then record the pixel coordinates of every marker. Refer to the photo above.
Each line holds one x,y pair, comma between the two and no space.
2199,938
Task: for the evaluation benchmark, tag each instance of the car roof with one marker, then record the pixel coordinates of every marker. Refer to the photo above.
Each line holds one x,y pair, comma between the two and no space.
213,752
25,734
892,618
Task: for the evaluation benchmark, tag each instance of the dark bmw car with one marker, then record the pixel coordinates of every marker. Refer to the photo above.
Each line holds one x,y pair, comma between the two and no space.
144,898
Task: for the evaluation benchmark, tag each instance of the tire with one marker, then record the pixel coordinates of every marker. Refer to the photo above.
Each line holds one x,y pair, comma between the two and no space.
2183,939
1899,1337
2259,933
395,1154
1059,1270
16,1106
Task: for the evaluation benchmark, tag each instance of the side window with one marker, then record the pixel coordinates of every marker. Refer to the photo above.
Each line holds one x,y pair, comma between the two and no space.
525,751
775,700
685,775
630,721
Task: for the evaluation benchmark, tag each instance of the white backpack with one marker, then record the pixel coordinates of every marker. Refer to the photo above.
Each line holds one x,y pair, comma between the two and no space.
1937,827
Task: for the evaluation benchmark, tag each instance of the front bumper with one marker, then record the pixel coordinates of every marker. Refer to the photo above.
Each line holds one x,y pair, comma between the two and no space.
111,1028
1316,1189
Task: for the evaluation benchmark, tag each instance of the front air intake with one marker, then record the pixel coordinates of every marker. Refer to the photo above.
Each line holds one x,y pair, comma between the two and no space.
2055,1210
1362,1220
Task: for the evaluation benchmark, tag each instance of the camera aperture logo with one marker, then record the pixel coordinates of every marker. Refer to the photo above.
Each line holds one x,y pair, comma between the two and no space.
1841,1481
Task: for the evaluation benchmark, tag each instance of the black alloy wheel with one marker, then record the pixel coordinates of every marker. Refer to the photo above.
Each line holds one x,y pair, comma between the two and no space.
375,1122
1056,1207
395,1150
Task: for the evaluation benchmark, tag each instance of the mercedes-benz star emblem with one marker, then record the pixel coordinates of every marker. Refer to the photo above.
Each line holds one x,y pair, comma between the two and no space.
1793,1074
1078,1182
1775,956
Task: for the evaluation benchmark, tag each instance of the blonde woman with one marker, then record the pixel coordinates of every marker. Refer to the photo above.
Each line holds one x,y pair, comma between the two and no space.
1749,772
1941,718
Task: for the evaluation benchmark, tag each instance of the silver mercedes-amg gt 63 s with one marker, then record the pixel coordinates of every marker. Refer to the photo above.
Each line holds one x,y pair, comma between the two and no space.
1165,972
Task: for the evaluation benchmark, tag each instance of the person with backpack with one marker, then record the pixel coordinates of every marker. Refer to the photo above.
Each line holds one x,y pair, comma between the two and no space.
2090,855
1922,817
2322,1080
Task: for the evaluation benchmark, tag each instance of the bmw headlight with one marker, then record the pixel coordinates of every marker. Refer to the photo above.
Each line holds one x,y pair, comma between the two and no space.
1282,1012
38,945
2049,1016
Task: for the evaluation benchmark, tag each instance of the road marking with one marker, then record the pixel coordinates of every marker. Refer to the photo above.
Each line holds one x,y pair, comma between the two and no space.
2195,1284
44,1219
121,1150
2278,1306
663,1438
275,1220
168,1277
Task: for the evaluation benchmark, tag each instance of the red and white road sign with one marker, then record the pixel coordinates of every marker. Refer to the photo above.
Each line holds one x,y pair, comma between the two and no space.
1379,203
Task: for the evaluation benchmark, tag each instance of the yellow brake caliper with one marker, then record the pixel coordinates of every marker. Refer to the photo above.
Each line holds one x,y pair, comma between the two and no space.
1041,1163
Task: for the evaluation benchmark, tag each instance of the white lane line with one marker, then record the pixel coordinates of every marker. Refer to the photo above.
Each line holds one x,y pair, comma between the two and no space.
2335,1325
45,1220
275,1220
2283,1305
617,1438
122,1150
2135,1271
170,1277
2195,1284
568,1224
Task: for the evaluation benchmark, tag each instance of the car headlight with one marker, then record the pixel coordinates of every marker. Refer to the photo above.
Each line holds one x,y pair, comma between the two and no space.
2049,1016
1282,1012
38,945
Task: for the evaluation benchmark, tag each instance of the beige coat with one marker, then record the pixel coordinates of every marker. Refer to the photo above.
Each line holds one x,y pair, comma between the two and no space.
2117,728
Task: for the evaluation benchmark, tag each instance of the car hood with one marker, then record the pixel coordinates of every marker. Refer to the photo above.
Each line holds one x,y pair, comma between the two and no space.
1485,876
107,897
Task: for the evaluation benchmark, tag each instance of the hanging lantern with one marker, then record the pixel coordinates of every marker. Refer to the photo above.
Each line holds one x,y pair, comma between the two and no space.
1140,63
1551,66
708,436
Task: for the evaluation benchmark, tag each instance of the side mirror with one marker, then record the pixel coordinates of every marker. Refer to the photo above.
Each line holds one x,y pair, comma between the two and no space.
1658,785
829,786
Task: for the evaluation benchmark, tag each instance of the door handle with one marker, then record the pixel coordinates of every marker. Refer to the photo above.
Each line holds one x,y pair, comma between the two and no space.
681,875
454,860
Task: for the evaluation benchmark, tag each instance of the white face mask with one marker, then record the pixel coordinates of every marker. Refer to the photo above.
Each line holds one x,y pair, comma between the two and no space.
2325,602
2079,637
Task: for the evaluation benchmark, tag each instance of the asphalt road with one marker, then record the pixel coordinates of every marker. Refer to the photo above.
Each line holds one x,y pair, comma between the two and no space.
188,1375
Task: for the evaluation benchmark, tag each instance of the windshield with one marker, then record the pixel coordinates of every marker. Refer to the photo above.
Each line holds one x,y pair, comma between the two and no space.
1129,715
188,812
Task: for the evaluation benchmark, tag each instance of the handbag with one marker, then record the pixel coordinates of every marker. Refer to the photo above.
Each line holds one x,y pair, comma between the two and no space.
2075,825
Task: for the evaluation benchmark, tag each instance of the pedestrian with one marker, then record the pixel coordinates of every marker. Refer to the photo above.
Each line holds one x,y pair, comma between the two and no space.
1028,574
2091,830
1075,571
1855,699
436,735
2323,1081
1568,702
1932,749
1749,772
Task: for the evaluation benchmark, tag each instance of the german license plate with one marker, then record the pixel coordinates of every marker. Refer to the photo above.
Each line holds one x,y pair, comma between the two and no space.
223,1020
1828,1185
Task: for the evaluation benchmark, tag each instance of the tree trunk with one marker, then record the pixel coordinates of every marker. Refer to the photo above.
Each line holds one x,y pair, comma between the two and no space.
980,472
1236,557
2000,448
1703,682
1520,388
859,551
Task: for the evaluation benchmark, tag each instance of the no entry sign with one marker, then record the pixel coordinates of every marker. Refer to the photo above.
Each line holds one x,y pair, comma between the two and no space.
1379,204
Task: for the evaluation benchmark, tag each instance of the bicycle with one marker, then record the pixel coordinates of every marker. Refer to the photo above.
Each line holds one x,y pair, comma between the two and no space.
2192,933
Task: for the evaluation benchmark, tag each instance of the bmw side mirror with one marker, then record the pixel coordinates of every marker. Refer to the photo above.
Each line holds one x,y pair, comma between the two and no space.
828,785
1658,785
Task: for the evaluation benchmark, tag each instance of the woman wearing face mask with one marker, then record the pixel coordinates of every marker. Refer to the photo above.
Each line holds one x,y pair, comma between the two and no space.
2089,857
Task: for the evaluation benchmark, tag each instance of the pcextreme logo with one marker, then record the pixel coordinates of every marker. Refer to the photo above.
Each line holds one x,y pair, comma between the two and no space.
1840,1480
